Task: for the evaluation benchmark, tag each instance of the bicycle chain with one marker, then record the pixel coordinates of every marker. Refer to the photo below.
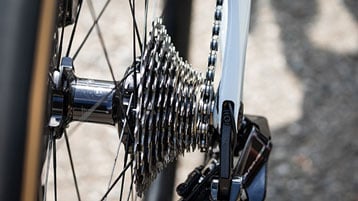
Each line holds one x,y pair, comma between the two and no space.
207,95
169,117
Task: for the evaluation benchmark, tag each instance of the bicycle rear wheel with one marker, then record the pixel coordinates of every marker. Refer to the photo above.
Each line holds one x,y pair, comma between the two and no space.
59,50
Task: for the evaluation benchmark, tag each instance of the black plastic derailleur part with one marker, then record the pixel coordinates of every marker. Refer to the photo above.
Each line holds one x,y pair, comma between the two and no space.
192,180
197,186
252,165
227,146
248,179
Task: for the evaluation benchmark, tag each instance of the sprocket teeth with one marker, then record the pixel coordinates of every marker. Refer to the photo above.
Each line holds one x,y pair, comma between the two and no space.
167,108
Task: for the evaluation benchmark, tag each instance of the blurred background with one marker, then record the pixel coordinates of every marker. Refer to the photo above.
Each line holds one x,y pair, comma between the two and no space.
302,74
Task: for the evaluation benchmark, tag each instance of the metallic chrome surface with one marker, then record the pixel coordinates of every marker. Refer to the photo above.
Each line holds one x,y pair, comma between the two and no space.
236,188
214,189
79,99
167,107
92,101
236,193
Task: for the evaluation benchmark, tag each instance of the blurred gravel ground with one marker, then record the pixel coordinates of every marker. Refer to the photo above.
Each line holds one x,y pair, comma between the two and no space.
302,74
315,154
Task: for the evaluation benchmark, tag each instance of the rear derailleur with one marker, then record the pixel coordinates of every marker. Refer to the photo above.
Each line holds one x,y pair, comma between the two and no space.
247,178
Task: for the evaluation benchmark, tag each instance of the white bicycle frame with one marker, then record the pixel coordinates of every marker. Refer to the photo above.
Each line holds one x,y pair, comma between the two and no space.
235,26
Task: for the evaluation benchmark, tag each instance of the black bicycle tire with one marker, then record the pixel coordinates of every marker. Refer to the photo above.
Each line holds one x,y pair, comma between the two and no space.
22,25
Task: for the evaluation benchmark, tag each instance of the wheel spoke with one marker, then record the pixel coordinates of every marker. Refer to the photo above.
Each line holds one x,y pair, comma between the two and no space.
114,165
134,33
117,179
62,33
54,163
120,142
135,26
131,186
74,29
124,165
145,23
91,29
49,152
72,165
100,36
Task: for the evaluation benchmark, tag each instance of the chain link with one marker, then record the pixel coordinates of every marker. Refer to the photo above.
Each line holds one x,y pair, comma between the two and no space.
207,95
